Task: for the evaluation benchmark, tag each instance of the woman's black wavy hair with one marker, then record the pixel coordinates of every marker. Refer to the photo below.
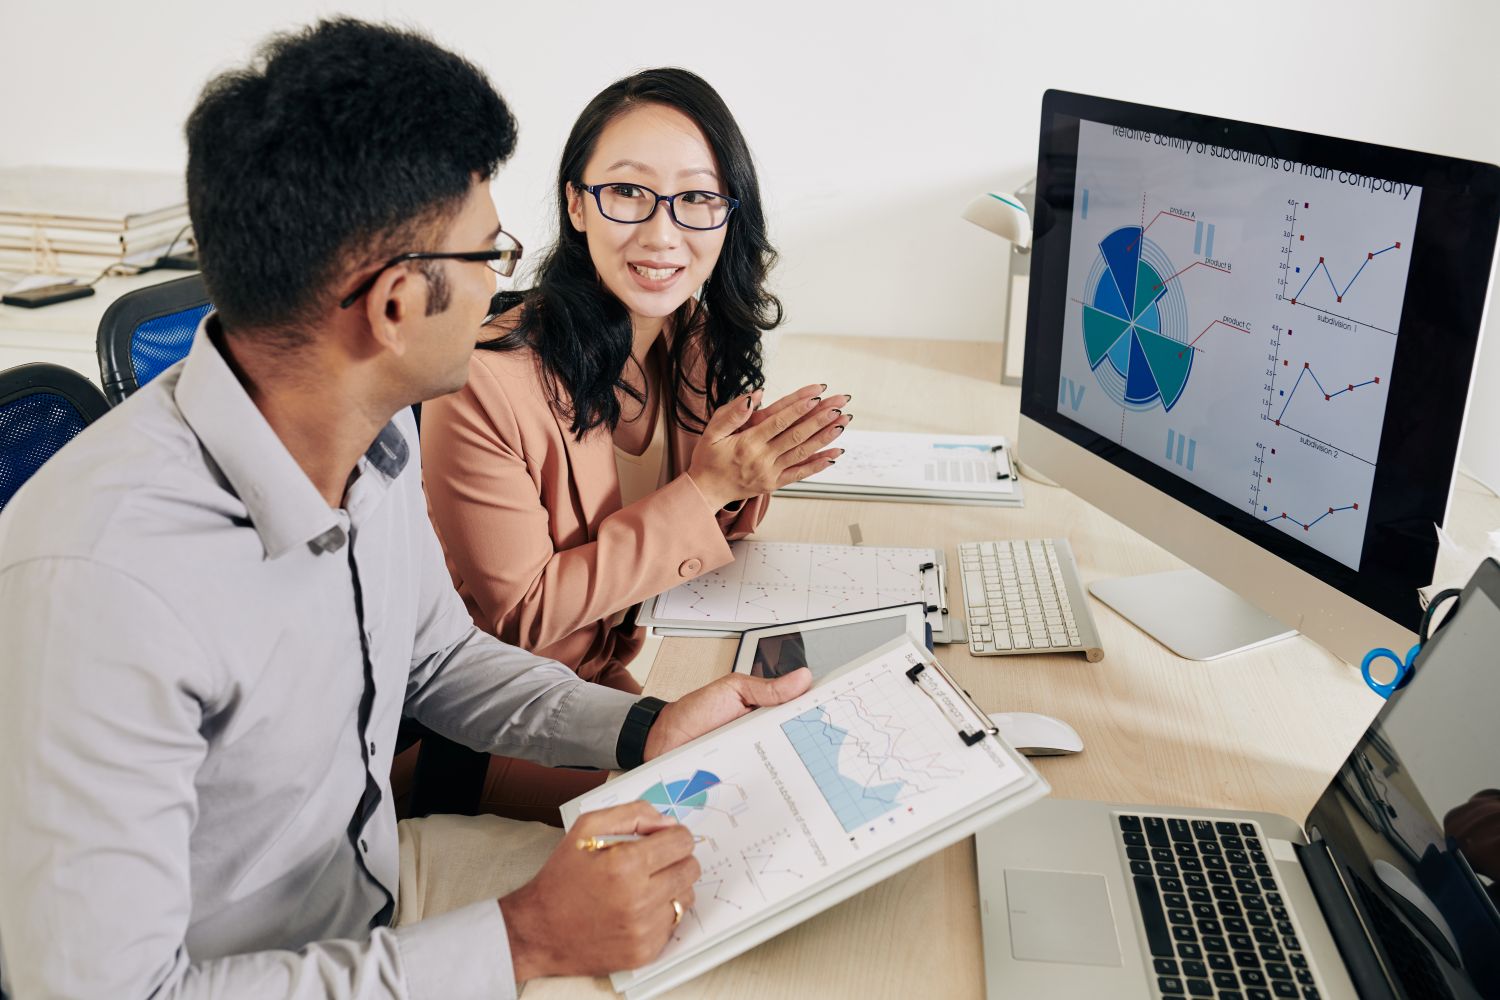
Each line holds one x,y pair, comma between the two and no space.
582,332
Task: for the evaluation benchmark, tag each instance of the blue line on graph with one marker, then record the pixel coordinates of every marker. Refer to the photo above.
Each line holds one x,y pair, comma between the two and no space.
1307,370
1198,239
1085,203
1334,285
1308,525
1208,244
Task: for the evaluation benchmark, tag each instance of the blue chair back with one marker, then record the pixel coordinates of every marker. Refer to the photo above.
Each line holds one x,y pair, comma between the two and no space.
42,408
146,331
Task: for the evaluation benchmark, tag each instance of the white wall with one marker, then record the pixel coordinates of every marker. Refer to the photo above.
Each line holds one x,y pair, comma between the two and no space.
873,123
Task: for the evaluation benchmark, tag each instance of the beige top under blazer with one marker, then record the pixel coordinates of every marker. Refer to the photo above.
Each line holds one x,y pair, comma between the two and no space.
537,540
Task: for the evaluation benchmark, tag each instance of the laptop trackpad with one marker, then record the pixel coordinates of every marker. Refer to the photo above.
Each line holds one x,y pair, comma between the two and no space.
1061,917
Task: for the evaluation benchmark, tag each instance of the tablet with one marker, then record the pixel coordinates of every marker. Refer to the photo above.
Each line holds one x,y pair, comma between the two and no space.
825,644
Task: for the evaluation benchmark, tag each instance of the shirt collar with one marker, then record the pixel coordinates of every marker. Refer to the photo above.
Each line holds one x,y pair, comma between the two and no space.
283,506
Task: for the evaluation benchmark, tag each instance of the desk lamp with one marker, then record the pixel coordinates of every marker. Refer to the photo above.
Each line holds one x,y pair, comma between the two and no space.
1008,216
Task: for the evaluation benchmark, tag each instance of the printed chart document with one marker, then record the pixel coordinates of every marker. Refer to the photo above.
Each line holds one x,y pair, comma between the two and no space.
773,582
802,805
935,468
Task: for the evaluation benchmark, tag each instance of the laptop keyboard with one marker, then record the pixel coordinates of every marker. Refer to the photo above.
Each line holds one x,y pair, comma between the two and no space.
1215,918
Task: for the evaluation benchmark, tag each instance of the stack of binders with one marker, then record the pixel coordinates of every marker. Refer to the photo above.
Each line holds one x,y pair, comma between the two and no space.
917,468
77,222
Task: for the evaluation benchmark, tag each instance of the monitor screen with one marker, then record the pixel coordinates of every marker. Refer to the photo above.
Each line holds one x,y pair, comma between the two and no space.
1275,328
1413,818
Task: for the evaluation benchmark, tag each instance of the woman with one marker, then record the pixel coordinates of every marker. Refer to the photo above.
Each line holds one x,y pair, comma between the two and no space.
608,443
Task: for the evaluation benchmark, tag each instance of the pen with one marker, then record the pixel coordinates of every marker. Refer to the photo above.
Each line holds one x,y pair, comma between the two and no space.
608,840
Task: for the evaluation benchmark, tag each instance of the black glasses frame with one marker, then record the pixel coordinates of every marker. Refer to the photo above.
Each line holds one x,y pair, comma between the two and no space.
670,199
506,258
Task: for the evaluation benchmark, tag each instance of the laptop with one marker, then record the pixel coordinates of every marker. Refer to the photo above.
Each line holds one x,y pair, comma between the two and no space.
1387,889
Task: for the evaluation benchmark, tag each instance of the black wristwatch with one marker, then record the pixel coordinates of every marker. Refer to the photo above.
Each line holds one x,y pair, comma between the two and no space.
630,751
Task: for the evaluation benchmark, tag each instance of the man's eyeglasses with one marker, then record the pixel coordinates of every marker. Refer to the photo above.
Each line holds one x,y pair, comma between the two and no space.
502,260
632,203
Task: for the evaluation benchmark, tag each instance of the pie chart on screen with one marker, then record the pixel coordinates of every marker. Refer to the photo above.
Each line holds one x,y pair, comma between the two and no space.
1135,334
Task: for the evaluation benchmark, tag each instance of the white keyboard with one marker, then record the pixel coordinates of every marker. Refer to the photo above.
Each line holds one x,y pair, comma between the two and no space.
1024,596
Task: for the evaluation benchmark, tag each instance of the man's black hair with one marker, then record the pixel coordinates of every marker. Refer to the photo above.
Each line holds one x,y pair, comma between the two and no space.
337,146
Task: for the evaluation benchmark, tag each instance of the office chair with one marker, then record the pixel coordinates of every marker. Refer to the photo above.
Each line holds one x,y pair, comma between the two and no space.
146,331
42,407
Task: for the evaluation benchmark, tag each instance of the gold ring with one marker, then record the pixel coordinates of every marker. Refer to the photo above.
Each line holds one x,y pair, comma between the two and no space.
676,913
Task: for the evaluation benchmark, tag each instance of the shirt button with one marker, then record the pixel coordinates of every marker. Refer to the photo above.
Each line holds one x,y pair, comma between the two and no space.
364,845
690,567
372,748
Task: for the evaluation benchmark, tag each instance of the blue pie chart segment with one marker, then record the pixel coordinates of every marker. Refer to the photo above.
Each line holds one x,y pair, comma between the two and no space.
1107,299
1119,354
1122,252
1140,384
1149,319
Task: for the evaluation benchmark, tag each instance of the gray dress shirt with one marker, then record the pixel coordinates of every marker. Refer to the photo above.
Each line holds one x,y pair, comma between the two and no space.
202,671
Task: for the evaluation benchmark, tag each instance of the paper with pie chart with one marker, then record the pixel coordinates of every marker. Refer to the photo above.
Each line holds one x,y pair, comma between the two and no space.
1236,324
791,798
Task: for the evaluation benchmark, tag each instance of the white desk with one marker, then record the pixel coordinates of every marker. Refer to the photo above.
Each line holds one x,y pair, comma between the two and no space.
1260,730
66,333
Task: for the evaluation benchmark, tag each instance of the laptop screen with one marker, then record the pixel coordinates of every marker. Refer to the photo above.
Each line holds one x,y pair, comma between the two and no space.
1413,817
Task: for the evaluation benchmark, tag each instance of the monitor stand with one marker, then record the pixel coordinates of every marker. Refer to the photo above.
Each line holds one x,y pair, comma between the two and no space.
1191,614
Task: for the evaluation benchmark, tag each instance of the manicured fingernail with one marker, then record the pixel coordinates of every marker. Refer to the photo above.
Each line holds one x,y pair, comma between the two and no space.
832,460
840,454
749,401
812,404
838,412
837,431
825,386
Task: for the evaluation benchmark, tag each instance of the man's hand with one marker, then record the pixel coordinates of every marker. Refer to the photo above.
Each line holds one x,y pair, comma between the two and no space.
718,702
591,913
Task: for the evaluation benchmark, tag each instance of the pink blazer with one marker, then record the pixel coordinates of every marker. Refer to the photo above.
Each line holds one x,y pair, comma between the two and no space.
532,527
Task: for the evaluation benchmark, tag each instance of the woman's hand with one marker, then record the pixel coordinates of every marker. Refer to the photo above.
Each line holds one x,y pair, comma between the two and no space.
744,452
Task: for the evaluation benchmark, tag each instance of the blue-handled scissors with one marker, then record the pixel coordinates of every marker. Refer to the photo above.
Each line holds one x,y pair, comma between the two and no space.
1403,669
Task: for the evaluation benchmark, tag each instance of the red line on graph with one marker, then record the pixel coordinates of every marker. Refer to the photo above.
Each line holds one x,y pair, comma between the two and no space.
1148,225
1196,263
1217,322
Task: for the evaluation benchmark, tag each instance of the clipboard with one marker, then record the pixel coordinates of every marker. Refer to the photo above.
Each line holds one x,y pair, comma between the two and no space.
771,583
939,716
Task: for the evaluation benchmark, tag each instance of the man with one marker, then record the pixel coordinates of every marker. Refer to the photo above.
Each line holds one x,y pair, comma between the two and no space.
218,602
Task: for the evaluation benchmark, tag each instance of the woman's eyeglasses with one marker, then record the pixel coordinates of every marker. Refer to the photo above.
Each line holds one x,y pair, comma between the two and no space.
632,204
502,260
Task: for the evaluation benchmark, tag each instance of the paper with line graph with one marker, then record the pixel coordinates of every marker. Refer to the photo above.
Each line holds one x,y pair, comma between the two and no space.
792,799
771,582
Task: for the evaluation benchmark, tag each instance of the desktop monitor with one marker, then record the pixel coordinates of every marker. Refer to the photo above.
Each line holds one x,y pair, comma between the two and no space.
1254,346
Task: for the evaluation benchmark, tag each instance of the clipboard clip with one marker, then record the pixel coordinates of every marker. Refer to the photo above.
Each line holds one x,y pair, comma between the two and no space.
970,738
999,451
932,567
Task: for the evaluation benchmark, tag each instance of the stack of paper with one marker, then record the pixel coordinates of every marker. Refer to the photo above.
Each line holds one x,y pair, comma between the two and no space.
75,221
917,468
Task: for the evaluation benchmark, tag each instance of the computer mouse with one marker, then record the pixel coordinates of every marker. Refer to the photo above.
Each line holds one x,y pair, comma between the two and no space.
1037,735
